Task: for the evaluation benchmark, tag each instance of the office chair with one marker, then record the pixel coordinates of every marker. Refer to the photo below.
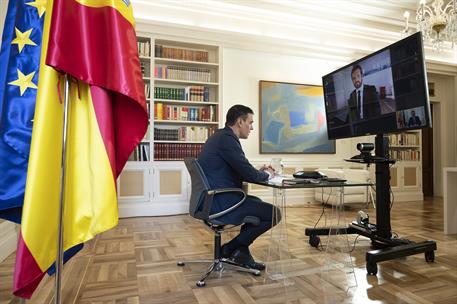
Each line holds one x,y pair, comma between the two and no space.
200,203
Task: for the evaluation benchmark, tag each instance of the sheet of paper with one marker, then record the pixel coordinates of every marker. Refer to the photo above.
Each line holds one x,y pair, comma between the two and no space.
277,179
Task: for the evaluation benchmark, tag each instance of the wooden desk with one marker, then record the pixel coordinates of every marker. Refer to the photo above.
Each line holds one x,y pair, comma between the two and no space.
450,200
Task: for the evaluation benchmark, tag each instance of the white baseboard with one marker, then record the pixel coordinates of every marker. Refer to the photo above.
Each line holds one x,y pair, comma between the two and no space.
8,239
408,196
152,209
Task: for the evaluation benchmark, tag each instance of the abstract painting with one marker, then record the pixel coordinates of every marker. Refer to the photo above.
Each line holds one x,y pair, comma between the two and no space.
292,119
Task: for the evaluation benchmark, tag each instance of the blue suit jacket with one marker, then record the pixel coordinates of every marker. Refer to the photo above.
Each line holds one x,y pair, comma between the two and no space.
225,166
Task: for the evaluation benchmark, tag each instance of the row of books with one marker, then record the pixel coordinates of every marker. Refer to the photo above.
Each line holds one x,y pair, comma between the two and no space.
189,133
404,139
182,73
184,113
163,151
189,93
140,153
162,51
405,155
144,48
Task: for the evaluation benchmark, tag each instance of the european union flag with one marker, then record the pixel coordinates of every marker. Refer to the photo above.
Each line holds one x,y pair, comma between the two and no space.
19,67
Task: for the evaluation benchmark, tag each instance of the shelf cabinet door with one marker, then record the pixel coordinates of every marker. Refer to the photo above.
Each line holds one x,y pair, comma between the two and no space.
170,182
411,176
133,185
406,181
395,177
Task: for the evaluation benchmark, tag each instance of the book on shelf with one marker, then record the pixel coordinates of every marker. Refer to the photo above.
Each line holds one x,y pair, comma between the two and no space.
405,155
147,89
140,153
404,139
188,93
176,151
185,133
158,111
143,68
182,73
171,52
184,113
144,48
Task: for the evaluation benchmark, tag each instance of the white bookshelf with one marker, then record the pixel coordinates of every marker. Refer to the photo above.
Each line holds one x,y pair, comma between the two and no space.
406,173
184,110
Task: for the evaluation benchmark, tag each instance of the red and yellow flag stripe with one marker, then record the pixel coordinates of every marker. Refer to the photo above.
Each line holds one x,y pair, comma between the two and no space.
107,119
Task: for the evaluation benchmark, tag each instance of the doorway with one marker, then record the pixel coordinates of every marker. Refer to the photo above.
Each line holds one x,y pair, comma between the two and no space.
427,159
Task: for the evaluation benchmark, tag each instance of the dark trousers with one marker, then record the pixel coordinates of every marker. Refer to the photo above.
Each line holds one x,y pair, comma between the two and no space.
268,215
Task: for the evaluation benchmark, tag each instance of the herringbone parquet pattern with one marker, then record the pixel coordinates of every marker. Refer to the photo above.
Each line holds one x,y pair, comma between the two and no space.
136,263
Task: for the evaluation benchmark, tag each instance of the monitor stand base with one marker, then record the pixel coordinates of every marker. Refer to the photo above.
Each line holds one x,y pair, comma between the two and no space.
384,248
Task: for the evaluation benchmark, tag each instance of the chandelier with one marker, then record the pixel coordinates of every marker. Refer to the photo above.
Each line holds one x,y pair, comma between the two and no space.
438,24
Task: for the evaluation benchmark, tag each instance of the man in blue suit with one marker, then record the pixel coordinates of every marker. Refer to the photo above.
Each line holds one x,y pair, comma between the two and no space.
225,165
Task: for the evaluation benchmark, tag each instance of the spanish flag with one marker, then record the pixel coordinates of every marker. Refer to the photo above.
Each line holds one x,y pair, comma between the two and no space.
94,42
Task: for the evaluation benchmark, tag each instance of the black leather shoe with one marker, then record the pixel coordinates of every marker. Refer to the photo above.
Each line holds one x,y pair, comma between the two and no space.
243,256
225,252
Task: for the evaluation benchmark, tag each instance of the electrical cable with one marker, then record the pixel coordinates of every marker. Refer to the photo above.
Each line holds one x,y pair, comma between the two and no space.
322,213
323,205
353,245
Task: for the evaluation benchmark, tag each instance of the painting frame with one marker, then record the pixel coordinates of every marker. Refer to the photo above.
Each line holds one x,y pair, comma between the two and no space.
305,130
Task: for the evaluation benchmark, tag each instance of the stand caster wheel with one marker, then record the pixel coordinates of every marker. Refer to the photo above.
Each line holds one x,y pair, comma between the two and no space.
314,240
181,264
372,268
430,256
257,273
201,284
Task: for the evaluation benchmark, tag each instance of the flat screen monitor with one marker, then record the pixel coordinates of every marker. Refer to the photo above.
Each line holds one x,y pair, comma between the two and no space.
384,92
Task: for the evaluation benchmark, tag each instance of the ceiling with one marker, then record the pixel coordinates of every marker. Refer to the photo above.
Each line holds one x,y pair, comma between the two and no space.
337,30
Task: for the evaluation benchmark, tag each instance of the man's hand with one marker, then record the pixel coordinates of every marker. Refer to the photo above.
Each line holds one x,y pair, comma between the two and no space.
269,169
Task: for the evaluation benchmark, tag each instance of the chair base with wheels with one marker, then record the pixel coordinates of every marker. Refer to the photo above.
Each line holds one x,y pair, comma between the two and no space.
218,263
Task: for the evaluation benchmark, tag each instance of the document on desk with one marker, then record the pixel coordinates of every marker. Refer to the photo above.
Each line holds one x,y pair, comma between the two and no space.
289,180
276,180
300,181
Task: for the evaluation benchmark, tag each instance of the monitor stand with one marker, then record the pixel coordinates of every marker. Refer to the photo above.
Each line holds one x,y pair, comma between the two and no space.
385,246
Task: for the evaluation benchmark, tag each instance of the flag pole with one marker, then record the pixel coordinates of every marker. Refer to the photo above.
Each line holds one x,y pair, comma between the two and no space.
59,258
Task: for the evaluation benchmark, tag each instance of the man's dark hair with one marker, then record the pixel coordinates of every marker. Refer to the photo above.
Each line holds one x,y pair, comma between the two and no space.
236,112
357,67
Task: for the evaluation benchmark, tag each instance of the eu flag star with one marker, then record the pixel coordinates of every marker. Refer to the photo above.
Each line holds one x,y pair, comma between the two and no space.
24,81
22,38
40,6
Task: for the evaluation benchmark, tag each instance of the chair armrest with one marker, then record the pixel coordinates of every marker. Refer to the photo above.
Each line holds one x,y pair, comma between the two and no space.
225,190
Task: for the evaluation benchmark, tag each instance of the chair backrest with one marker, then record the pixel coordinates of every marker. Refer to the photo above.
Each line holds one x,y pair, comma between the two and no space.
200,202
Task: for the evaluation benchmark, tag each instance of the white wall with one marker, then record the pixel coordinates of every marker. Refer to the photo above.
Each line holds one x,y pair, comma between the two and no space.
444,128
242,70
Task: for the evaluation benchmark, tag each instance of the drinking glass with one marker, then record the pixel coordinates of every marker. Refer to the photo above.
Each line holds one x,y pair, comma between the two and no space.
277,164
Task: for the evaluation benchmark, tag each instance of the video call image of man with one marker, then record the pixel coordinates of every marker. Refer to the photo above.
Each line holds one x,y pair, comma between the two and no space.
226,166
364,100
414,120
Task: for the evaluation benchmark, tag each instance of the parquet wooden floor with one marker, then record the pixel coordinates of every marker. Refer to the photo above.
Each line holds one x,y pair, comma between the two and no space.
136,263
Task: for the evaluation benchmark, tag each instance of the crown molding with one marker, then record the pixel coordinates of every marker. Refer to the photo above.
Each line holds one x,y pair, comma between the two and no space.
328,30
